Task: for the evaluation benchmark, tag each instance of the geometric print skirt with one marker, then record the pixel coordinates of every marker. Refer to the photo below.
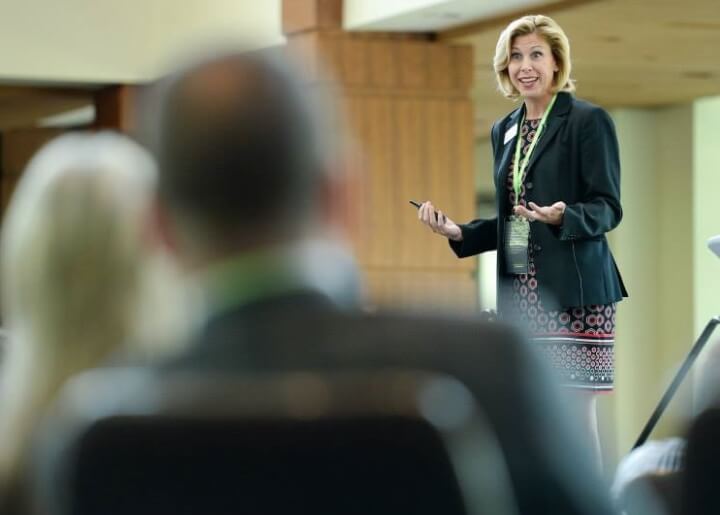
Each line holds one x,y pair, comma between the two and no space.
577,342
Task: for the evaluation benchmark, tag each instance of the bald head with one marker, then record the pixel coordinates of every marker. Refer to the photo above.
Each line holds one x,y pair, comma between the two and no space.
242,148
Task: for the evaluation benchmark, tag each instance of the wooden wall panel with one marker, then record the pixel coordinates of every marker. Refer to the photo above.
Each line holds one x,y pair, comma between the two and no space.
439,170
18,148
413,64
413,238
463,151
380,155
430,290
355,69
408,105
358,199
411,151
441,74
417,142
304,15
463,66
115,108
357,116
382,64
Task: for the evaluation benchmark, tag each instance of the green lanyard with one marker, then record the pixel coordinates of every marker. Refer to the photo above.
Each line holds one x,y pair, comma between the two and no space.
519,168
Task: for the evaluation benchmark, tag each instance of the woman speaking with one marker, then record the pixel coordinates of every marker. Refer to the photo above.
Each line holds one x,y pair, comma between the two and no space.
557,179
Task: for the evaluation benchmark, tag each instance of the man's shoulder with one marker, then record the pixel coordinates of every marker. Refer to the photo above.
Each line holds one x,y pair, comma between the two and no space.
334,337
421,337
427,326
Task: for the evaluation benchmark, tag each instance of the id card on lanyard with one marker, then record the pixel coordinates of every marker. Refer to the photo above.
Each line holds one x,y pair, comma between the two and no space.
517,228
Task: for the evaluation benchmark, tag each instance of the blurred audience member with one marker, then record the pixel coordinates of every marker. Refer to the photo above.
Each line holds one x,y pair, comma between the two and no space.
655,467
78,276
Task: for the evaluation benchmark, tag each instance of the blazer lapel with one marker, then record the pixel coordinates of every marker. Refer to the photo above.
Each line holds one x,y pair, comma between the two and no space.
557,119
509,146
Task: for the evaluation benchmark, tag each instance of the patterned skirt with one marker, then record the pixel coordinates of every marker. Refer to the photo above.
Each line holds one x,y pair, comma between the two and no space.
577,342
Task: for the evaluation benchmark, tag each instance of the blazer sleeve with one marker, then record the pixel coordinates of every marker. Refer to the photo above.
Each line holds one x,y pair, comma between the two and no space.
600,210
479,235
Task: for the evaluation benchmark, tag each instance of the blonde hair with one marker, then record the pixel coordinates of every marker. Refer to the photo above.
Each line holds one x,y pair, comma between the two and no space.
555,38
72,260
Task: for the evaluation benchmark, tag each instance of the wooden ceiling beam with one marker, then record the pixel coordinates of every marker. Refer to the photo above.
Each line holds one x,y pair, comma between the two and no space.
23,106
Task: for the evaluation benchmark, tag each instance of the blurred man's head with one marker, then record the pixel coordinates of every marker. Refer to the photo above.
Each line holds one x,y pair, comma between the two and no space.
247,149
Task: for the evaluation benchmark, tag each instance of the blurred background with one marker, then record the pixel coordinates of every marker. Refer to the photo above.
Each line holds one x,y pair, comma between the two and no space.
418,88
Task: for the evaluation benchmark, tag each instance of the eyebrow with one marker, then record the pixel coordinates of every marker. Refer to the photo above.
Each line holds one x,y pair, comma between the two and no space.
531,48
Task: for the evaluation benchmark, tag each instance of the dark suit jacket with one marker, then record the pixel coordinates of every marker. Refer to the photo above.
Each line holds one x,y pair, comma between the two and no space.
304,332
576,160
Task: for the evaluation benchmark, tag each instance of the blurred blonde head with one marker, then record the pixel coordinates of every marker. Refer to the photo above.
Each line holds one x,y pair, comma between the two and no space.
73,256
71,239
555,38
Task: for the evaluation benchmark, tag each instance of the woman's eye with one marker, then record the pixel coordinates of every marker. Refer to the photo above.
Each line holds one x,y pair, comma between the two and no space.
515,56
537,54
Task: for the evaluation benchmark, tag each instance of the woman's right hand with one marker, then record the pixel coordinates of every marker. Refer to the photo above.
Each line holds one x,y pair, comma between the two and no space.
438,222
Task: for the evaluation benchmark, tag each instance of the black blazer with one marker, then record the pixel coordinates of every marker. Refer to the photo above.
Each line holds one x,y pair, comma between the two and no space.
549,469
576,160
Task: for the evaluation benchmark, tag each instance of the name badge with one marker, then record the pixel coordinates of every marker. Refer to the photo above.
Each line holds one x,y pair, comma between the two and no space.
517,239
510,133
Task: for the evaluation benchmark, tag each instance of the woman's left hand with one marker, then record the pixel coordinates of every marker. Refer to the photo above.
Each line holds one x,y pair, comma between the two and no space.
552,215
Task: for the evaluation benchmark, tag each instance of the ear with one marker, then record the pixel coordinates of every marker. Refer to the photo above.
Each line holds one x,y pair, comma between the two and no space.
160,228
341,199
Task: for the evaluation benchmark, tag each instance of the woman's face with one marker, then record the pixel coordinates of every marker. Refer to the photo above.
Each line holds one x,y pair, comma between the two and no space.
532,66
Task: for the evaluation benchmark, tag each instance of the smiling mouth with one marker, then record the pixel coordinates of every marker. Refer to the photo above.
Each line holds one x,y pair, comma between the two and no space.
528,81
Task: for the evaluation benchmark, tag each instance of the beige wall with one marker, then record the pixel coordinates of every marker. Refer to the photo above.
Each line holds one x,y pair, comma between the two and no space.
675,163
58,40
636,253
705,210
706,217
654,249
487,262
484,166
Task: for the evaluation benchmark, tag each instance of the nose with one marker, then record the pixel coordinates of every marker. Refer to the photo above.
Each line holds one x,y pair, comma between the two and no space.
525,65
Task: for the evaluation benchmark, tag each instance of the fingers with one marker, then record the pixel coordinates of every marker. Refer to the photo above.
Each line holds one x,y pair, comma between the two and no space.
436,220
427,215
441,219
430,216
437,223
424,212
521,210
542,211
546,214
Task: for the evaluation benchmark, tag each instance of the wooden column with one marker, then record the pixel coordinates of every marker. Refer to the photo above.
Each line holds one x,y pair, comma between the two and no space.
115,108
409,107
18,147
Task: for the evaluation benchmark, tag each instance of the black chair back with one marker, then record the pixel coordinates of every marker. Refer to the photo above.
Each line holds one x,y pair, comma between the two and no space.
128,443
701,480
